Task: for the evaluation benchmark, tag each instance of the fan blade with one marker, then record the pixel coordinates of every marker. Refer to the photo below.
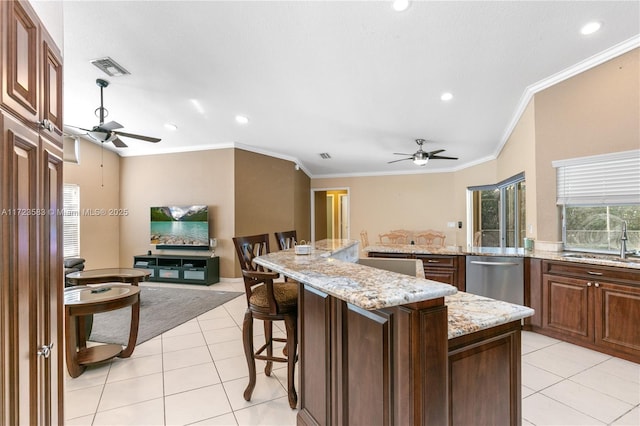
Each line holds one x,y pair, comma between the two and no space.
441,157
401,153
402,159
76,127
117,142
143,138
437,151
112,125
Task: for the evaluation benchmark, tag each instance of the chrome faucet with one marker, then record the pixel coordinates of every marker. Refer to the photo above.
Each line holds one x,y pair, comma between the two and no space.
623,241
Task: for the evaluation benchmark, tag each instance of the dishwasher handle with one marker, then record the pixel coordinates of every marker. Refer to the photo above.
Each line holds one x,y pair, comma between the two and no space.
480,262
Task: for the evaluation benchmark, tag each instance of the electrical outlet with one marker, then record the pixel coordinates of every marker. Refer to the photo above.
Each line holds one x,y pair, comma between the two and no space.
451,224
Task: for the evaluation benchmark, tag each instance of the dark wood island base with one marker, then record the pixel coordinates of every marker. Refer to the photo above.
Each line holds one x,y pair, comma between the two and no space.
396,366
384,348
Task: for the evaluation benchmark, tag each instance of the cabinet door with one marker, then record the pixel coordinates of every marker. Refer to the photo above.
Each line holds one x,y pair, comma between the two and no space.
617,317
314,318
50,288
20,60
51,110
567,306
19,273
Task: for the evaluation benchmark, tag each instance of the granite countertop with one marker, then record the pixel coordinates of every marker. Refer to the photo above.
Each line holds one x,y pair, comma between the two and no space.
630,263
362,286
449,250
469,313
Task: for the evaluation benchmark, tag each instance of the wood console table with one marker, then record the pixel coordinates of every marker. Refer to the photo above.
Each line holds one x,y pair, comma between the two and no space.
80,301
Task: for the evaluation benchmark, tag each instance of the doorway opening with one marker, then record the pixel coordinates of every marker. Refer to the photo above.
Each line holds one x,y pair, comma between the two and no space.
329,214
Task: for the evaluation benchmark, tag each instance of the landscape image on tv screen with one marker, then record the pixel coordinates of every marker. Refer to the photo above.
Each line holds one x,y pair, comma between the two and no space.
178,226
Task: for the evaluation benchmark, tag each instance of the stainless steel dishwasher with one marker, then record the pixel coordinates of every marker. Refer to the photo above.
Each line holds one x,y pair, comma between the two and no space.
497,277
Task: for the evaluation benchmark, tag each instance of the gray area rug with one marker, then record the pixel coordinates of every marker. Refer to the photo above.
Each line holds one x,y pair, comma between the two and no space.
161,309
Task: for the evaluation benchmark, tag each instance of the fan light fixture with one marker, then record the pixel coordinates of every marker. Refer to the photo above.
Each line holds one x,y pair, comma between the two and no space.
420,158
101,136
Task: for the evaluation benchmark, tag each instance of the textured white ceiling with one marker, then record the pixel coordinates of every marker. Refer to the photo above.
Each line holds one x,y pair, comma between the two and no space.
354,79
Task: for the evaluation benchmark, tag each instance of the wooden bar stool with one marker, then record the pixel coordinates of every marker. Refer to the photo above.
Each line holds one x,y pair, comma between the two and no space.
286,239
267,301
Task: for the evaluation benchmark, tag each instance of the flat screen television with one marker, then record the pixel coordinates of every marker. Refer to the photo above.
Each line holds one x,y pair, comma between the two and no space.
180,227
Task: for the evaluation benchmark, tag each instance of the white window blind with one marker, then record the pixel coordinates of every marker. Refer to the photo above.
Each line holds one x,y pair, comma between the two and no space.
71,220
609,179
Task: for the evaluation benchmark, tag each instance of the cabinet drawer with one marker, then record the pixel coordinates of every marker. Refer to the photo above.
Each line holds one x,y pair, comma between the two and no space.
168,273
194,274
437,261
590,272
441,275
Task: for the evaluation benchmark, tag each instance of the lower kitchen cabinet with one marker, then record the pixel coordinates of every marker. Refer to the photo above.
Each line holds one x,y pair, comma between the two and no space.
591,305
617,317
568,304
448,269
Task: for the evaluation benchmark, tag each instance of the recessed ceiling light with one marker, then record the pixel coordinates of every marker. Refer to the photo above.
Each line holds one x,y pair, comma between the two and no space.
170,126
400,5
446,96
590,28
241,119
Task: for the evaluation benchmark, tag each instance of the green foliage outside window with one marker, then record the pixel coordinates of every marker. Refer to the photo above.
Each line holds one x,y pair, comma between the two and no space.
599,228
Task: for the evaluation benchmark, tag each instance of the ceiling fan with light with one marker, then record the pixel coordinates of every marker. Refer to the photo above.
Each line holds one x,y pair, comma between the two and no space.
420,157
106,132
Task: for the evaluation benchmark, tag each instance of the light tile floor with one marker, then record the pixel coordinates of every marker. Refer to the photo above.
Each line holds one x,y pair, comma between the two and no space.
196,373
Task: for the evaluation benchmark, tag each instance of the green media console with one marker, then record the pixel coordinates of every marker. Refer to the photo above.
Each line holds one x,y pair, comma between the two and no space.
180,269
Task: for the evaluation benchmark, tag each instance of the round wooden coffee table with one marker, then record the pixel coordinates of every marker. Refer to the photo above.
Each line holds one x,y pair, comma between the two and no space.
80,301
124,275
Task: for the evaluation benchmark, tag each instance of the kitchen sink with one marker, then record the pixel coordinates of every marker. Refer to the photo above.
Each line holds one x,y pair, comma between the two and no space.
605,257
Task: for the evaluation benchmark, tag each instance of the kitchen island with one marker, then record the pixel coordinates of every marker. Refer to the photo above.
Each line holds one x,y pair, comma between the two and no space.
377,347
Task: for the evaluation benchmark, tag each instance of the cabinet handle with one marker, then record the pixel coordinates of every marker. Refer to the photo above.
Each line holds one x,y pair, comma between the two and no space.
45,350
588,284
45,124
433,261
479,262
594,273
597,284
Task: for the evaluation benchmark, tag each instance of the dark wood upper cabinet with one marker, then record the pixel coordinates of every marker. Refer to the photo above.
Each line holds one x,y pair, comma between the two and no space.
51,110
20,60
31,285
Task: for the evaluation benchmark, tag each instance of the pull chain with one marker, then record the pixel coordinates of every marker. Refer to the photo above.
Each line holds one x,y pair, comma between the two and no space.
102,164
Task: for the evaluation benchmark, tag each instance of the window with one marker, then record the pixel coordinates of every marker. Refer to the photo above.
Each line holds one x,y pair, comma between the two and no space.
71,220
498,213
597,195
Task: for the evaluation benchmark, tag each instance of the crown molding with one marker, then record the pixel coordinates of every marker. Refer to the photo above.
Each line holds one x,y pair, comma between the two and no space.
580,67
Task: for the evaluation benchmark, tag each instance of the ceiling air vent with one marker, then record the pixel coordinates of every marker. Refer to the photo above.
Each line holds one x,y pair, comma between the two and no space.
110,67
325,155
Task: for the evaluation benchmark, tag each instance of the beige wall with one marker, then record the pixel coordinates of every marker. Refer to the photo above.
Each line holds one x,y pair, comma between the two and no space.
270,196
202,177
413,202
99,190
518,155
302,205
247,193
595,112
